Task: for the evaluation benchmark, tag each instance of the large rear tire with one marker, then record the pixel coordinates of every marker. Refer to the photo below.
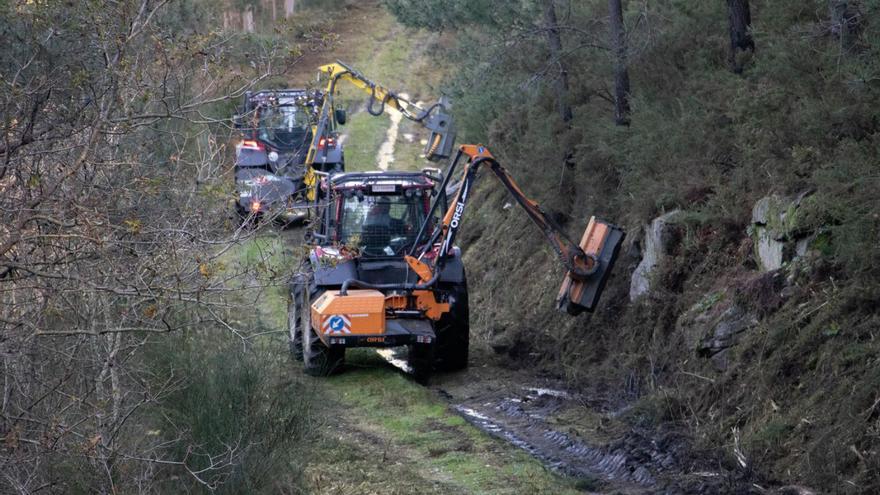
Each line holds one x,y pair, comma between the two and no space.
294,325
453,331
318,358
298,284
421,361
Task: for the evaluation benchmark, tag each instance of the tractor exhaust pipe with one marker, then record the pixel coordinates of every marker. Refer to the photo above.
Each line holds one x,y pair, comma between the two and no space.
602,242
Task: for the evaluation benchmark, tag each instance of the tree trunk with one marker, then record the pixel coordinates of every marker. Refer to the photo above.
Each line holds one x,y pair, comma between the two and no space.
248,20
621,73
554,42
739,20
845,16
289,7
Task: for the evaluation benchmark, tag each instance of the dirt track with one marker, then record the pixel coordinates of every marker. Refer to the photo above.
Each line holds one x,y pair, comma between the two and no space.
575,436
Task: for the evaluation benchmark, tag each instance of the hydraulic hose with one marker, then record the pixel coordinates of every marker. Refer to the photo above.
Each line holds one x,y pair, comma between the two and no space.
373,98
366,285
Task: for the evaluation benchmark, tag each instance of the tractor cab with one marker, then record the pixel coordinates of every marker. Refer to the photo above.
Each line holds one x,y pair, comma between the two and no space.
377,214
285,126
277,128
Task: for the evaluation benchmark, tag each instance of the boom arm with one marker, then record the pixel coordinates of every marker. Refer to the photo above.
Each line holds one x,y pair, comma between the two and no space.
579,263
439,122
588,264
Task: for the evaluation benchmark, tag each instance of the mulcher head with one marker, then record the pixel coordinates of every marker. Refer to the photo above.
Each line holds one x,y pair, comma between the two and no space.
602,241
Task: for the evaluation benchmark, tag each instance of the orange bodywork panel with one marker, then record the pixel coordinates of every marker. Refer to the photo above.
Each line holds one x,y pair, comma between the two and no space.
361,312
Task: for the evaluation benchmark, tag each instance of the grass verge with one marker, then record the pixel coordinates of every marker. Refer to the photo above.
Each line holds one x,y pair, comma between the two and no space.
379,420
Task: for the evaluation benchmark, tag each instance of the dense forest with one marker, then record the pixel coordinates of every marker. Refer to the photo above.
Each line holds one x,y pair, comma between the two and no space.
736,142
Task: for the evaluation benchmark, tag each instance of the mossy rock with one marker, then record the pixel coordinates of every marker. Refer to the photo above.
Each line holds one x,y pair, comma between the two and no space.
783,216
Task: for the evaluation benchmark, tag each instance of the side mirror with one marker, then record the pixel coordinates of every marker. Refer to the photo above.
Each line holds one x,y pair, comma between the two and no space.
341,117
237,121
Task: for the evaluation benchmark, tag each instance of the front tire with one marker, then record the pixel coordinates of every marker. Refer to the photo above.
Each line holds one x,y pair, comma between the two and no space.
318,358
421,362
453,331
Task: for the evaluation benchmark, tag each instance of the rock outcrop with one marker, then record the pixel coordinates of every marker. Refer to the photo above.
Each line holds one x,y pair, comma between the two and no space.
777,232
714,325
657,244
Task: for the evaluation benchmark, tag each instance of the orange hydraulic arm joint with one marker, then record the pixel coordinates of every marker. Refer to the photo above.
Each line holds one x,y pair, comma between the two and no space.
589,264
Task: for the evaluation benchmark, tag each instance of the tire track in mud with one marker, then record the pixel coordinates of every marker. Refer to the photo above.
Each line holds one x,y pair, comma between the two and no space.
522,421
630,462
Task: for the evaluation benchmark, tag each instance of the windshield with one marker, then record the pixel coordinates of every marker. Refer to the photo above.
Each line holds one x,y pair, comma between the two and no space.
284,126
381,225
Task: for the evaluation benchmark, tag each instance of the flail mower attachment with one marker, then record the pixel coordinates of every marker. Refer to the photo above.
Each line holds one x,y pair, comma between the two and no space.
601,242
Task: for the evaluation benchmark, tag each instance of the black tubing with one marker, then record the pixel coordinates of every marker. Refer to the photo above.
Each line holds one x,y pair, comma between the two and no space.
366,285
370,104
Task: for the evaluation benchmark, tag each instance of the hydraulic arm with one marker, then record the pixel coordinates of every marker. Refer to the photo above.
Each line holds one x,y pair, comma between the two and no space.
434,118
588,263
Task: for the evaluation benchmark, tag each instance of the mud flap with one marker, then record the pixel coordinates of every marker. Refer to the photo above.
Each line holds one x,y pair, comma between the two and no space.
602,240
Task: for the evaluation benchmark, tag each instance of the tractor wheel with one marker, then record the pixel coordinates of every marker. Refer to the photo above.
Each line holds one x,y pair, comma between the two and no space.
298,284
294,326
453,331
420,359
318,359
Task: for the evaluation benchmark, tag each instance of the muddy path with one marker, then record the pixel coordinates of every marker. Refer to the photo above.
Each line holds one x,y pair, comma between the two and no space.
574,435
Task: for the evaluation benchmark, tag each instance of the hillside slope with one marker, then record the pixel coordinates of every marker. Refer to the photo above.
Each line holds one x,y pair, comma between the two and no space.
755,330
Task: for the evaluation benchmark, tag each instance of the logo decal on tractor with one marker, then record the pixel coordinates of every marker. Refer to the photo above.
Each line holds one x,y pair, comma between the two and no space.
336,324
